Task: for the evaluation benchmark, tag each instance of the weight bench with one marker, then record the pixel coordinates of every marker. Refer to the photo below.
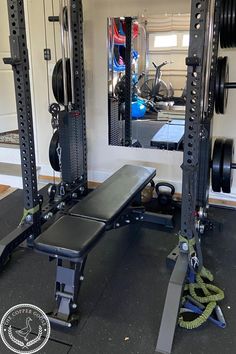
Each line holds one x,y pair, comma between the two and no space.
170,136
73,236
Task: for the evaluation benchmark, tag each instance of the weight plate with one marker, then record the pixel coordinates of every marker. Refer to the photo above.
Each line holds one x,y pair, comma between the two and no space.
222,24
217,85
226,165
224,78
216,172
65,18
225,24
228,15
229,18
57,81
53,156
230,37
233,24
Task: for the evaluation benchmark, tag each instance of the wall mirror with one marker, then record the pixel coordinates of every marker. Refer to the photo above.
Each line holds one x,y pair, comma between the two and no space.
147,80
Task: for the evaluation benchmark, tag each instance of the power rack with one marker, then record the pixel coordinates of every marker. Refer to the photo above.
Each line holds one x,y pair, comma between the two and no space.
72,124
201,77
201,63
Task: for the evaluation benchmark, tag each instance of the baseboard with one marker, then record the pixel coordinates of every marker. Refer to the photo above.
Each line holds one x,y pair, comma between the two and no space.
49,179
3,188
221,200
97,177
5,191
13,181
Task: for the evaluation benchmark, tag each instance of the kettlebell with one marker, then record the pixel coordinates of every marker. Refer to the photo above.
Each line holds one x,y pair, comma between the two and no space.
165,197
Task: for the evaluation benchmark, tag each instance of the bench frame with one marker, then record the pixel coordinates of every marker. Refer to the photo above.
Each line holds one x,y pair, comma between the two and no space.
70,271
69,278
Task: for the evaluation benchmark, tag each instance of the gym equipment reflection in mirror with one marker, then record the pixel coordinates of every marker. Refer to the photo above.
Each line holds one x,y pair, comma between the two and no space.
147,80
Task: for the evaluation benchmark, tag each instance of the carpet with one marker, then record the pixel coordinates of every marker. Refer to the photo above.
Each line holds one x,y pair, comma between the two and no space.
10,137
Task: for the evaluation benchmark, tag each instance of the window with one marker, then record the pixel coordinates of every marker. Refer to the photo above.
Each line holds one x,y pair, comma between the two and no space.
169,41
185,40
165,41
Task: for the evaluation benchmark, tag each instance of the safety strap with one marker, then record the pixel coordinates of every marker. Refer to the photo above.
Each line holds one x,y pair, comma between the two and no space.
194,251
29,212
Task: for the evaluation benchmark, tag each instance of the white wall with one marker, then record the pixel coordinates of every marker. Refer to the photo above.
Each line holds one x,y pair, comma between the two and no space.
225,125
8,119
104,159
37,43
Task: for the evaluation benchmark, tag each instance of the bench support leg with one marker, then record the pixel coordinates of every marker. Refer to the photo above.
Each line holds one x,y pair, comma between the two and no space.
69,278
172,304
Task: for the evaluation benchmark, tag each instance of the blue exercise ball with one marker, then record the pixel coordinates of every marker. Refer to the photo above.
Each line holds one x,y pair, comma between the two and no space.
138,109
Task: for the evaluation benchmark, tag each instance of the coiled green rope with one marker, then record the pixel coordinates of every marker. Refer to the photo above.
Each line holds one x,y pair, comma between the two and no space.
211,293
200,320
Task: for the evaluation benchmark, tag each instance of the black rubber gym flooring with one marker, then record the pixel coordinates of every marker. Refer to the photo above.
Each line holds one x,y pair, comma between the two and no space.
122,298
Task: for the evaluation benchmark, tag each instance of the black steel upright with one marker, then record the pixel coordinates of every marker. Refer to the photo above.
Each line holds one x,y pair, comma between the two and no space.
194,117
128,81
79,85
199,111
72,127
73,132
30,226
20,65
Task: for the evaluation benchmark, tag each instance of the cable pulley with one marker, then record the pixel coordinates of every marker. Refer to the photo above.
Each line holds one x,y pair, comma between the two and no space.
65,18
57,82
62,79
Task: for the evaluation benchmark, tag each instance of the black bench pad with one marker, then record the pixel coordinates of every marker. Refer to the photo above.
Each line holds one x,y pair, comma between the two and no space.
109,199
70,237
